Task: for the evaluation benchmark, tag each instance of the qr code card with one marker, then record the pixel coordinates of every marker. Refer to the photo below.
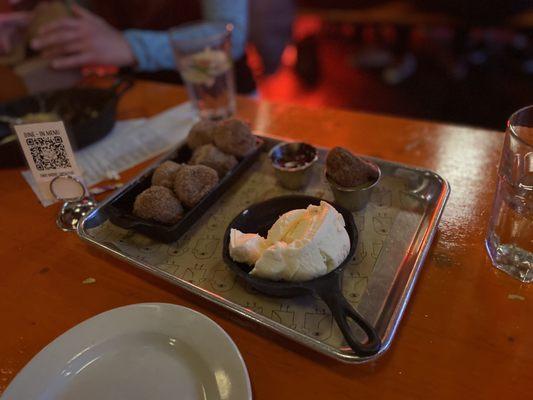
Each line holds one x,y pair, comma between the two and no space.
48,153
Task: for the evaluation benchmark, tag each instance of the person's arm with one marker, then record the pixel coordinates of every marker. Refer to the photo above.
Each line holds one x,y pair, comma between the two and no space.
153,51
86,39
82,39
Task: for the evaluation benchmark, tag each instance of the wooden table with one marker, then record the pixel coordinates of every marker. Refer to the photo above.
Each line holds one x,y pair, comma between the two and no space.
462,336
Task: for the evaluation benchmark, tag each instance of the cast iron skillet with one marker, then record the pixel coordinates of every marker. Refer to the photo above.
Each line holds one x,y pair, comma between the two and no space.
88,113
258,219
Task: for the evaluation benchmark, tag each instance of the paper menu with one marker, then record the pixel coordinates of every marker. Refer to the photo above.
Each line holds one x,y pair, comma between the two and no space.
135,141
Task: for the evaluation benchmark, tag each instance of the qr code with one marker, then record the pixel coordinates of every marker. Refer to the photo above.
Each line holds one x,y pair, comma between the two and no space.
48,153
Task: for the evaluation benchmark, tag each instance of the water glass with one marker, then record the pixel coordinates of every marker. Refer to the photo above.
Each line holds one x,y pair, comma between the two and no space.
203,57
510,235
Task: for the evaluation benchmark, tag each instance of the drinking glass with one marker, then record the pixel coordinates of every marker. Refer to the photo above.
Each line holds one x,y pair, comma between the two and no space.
510,234
203,57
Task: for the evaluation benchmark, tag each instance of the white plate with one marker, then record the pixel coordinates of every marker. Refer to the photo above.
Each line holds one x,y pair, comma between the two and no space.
142,351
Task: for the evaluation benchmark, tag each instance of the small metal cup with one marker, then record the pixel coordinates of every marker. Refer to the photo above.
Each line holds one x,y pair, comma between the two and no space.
293,177
353,198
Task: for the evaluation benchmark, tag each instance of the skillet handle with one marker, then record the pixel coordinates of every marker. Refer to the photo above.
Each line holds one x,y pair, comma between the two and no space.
342,310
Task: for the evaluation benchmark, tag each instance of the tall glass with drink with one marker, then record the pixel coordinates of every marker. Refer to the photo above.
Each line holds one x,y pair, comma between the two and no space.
203,57
510,235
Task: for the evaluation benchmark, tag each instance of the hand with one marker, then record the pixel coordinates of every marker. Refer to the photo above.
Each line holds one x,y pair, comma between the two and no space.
84,39
10,26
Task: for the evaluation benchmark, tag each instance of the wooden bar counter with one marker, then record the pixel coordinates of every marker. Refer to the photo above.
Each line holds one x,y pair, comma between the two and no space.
466,333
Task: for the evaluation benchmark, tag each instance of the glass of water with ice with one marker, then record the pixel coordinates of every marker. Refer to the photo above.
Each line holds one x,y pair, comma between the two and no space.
510,235
203,57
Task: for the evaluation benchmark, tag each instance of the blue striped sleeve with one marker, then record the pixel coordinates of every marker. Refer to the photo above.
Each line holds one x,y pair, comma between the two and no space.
153,51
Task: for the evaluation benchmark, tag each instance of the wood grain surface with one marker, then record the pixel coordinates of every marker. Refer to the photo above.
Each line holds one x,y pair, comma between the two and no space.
462,335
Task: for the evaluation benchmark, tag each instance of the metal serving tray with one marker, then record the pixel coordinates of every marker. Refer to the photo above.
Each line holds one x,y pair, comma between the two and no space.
396,231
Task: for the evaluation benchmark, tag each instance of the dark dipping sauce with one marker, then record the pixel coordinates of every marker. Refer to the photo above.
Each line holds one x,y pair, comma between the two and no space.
293,155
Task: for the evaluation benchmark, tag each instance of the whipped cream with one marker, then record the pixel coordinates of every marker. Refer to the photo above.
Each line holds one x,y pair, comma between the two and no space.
246,247
302,244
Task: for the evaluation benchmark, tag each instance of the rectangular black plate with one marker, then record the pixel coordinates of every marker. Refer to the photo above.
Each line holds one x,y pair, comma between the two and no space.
120,208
